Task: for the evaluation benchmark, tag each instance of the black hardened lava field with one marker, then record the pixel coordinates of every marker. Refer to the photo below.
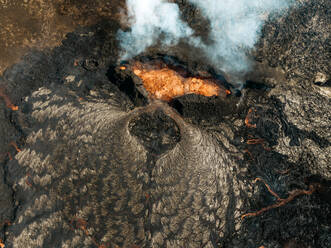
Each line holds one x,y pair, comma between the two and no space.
165,149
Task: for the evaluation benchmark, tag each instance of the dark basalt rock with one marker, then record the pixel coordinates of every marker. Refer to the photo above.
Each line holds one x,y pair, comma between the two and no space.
129,84
301,44
6,203
100,165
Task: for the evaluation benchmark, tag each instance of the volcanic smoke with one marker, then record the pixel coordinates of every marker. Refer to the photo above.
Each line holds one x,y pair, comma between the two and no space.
235,28
149,20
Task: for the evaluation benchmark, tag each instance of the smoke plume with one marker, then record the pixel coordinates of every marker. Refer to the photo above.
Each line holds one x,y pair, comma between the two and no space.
149,20
235,28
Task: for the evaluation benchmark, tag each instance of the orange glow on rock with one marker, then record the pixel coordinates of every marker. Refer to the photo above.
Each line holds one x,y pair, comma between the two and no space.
7,100
247,119
281,201
165,83
2,245
15,146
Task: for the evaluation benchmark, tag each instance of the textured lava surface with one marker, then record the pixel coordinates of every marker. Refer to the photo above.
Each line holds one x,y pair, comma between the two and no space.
98,165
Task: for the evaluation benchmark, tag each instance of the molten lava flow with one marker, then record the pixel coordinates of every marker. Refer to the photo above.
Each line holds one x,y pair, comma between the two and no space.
165,83
15,146
282,201
7,100
258,141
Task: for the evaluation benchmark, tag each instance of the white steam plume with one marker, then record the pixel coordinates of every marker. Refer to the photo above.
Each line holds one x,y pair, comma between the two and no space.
235,28
149,20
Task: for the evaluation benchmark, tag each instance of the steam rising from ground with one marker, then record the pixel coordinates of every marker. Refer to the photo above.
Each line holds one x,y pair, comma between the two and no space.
235,28
149,20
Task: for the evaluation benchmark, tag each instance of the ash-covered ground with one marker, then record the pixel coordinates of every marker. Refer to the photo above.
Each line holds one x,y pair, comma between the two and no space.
86,162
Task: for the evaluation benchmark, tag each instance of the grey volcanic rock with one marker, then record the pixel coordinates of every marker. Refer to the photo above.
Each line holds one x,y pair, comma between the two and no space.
309,112
83,163
299,42
99,170
64,162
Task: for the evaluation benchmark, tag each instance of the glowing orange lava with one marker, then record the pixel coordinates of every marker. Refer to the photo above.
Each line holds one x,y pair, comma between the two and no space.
7,100
165,83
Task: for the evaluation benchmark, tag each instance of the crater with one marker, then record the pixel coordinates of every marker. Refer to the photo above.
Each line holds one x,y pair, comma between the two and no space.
195,94
156,131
